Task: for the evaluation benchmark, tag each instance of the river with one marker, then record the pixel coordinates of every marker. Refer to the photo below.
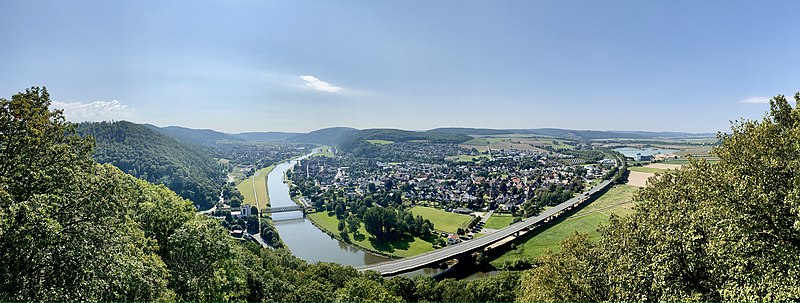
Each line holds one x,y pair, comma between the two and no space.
309,243
303,238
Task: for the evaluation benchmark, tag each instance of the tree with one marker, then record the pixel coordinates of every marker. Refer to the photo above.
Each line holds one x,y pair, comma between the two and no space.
200,257
728,231
380,222
353,223
252,224
365,290
57,207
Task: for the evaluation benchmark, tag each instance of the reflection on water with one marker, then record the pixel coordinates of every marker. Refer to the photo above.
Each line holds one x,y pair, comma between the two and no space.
303,238
311,244
647,151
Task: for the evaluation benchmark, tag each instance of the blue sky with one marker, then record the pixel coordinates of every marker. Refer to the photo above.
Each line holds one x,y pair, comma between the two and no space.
302,65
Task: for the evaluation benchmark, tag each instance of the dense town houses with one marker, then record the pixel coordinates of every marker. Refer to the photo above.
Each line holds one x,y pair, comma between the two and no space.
436,174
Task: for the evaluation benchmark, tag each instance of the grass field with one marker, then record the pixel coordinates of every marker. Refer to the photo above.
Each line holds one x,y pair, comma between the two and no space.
498,221
380,142
442,220
617,200
324,151
259,182
405,247
467,158
651,170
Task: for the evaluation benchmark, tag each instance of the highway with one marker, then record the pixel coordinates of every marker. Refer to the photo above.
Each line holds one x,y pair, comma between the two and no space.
395,267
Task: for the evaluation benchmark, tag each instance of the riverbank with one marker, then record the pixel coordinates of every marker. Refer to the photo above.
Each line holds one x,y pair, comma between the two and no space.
407,246
254,189
617,200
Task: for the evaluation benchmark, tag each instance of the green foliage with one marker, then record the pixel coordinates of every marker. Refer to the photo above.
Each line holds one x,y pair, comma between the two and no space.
66,230
386,223
75,230
270,235
200,256
728,231
156,158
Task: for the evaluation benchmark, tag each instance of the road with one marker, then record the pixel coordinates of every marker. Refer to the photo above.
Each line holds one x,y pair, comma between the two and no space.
394,267
258,239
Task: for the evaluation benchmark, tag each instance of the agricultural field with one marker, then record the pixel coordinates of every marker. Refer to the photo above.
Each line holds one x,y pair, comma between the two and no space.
254,189
639,174
442,221
468,158
638,179
645,169
618,200
380,142
498,221
518,142
405,247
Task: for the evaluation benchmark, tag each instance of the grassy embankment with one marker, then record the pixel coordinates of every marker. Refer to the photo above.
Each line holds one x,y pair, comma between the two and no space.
259,182
618,200
498,221
404,247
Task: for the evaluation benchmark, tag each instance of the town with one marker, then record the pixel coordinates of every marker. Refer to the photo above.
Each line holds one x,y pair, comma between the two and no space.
446,176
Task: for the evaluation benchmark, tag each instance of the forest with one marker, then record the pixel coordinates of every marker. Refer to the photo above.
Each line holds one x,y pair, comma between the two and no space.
157,158
72,229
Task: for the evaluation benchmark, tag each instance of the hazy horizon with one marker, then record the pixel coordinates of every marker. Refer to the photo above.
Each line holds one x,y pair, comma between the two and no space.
254,66
428,129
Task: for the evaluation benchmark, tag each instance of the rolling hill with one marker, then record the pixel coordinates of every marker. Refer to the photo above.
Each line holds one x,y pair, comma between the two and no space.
157,158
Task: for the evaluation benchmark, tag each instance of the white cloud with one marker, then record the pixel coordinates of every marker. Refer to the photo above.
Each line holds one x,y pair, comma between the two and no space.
94,111
755,100
317,84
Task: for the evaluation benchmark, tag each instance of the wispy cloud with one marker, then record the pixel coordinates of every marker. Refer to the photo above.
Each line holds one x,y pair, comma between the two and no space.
317,84
755,100
94,111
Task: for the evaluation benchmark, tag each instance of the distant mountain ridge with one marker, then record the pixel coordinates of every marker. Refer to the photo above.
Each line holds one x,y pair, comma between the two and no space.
193,136
265,136
574,134
345,135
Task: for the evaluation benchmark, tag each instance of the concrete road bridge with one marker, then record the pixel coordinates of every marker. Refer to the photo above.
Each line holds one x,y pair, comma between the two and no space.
500,237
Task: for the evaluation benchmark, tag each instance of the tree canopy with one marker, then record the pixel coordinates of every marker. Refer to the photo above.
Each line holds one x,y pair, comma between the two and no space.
157,158
728,231
75,230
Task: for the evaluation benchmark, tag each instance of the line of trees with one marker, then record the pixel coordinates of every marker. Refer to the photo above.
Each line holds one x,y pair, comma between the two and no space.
388,223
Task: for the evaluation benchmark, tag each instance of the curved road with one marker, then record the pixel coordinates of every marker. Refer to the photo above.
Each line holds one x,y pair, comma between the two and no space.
395,267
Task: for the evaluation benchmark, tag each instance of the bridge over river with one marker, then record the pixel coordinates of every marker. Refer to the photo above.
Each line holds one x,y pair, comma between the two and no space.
283,209
500,237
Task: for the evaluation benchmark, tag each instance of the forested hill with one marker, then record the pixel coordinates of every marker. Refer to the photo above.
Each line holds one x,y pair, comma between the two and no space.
157,158
265,136
573,134
201,137
345,137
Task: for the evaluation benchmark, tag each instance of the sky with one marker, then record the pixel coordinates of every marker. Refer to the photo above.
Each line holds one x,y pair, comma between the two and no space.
238,66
